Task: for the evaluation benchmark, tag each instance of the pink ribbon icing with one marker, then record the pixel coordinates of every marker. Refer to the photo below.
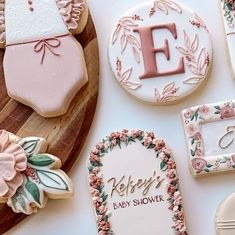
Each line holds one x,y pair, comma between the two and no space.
12,161
71,11
49,43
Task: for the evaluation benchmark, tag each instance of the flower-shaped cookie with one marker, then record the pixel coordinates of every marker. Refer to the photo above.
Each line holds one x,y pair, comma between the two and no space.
12,161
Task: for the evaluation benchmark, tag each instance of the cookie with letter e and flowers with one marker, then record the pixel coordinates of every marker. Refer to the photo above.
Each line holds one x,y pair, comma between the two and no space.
160,52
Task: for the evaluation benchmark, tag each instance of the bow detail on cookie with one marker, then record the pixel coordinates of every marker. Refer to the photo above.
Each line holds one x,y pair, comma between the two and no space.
12,161
47,43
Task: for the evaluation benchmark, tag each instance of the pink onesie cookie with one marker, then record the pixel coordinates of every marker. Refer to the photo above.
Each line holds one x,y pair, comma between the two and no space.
44,65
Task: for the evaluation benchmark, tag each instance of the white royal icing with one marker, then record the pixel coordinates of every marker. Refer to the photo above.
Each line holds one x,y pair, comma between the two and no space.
131,161
193,43
25,25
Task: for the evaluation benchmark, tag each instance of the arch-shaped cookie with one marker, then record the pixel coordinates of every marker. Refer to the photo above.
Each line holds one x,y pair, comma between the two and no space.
134,185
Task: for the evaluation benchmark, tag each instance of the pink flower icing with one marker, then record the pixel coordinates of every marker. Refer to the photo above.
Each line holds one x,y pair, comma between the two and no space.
199,164
12,161
198,136
191,129
226,112
233,158
71,11
204,110
188,113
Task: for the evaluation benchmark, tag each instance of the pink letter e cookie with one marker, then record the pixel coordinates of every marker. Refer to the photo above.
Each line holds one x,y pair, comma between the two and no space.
160,52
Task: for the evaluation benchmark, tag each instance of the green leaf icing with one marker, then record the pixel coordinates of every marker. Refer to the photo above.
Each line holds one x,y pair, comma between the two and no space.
40,160
33,190
52,179
30,146
163,166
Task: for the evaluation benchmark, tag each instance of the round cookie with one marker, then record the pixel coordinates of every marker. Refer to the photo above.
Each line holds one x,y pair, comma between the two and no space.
160,52
225,217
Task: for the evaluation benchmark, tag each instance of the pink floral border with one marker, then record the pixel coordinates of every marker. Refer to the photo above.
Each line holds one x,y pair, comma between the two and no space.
193,119
167,164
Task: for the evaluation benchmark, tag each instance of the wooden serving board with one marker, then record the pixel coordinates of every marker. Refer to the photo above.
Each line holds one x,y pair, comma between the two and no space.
65,134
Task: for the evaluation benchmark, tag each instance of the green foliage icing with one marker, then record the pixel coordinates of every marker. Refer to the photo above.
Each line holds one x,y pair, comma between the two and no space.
33,190
40,160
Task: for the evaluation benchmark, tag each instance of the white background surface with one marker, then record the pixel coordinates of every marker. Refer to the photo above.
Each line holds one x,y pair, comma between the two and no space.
116,110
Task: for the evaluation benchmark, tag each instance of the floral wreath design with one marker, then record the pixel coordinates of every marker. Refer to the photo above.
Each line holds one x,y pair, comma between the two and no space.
124,77
197,59
228,7
167,165
193,118
123,31
168,93
197,64
165,5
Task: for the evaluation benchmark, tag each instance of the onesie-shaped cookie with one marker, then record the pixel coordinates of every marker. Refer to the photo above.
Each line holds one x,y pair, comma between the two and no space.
44,65
134,186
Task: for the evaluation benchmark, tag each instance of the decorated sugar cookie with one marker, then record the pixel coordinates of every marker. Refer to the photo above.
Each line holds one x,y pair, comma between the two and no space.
210,137
44,65
134,186
227,9
160,52
225,217
28,175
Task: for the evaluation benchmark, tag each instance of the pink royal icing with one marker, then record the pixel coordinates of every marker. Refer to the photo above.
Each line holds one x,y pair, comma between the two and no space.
149,51
2,22
12,161
52,71
70,11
